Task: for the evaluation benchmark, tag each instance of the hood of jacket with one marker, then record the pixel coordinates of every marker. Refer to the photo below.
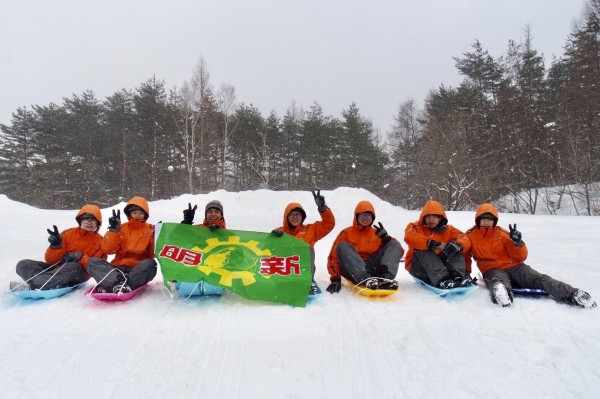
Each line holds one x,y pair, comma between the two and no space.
139,202
289,208
363,206
486,208
91,209
433,208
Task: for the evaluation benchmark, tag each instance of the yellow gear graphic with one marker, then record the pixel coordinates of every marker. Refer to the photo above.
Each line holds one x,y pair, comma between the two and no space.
213,262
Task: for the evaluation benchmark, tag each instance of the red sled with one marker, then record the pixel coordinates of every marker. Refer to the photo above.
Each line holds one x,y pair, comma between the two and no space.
111,296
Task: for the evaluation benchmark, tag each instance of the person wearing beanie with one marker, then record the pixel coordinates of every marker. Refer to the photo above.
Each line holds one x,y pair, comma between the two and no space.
67,257
500,257
132,243
364,254
435,250
213,215
293,224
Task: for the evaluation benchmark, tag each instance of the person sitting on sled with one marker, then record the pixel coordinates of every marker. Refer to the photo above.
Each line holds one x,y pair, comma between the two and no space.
133,245
364,254
500,255
213,215
293,224
67,257
435,250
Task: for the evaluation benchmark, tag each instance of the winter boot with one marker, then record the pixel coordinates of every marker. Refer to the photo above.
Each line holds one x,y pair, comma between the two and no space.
389,284
500,295
121,289
19,286
447,284
582,299
464,281
314,289
372,283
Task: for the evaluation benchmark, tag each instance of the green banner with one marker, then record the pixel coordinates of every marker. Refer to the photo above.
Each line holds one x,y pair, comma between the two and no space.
257,266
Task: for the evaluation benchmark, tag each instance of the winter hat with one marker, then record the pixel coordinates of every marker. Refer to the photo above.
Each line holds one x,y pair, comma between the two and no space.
215,204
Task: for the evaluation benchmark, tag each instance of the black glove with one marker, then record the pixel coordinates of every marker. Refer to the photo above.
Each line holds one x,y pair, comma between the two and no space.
213,227
452,248
188,214
381,232
515,235
433,244
54,238
320,201
335,286
114,222
277,233
72,257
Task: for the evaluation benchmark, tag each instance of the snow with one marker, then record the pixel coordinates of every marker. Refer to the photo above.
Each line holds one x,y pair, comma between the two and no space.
412,345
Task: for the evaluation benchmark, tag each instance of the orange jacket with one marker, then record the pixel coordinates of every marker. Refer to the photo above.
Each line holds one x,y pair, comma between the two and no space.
135,240
491,247
417,233
363,239
77,239
206,223
309,233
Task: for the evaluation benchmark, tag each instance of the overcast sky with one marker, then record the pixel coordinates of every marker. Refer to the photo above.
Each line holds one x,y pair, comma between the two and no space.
274,52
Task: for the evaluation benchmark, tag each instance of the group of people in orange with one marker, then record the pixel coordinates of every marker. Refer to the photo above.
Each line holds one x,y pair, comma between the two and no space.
365,254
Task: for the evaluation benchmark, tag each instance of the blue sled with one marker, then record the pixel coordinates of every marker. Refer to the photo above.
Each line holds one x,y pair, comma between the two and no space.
448,291
46,294
199,288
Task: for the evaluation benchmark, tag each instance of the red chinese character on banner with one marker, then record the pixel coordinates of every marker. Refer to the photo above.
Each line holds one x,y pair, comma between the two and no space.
181,255
281,266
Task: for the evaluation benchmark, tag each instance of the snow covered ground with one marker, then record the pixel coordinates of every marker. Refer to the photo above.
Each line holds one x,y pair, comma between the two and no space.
412,345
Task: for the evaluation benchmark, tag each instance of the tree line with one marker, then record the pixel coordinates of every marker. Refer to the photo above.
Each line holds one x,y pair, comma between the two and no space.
512,127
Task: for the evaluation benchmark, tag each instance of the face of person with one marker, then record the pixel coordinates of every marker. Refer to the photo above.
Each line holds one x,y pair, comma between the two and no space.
213,215
294,218
89,224
432,221
137,214
483,222
364,219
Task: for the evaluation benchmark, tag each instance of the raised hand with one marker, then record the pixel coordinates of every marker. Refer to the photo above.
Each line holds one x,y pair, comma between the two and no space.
382,233
515,235
54,237
188,214
114,222
319,200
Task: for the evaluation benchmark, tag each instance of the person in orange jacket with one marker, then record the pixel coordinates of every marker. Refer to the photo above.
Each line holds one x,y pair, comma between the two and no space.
67,257
435,249
293,224
500,256
364,254
133,245
213,215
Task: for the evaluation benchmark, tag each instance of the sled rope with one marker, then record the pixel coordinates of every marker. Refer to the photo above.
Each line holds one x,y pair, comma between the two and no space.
107,274
34,276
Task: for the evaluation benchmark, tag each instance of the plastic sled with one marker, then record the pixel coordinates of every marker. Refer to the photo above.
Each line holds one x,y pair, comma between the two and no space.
111,296
379,293
46,294
447,291
198,289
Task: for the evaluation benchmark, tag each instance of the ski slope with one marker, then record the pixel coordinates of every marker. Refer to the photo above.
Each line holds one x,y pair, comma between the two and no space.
411,345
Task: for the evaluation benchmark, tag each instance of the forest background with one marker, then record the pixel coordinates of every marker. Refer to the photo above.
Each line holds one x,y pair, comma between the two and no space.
512,129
